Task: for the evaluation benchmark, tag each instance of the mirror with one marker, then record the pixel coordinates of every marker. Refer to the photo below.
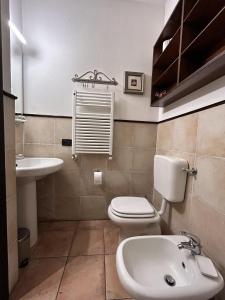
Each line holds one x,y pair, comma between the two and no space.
16,52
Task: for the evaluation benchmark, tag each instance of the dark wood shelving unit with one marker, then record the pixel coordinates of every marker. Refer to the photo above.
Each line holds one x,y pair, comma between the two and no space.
195,55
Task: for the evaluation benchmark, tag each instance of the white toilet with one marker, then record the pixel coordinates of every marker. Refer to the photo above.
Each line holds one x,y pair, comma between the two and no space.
136,215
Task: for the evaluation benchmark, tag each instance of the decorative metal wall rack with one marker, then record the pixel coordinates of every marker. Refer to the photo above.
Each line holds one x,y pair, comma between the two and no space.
94,77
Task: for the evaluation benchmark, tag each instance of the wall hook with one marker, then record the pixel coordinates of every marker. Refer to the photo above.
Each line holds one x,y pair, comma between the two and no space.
191,172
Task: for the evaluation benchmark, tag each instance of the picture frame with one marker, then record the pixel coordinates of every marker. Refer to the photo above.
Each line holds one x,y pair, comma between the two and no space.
133,83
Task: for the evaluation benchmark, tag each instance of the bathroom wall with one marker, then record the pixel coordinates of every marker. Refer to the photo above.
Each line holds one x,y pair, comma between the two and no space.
70,194
10,168
11,201
112,36
199,138
207,95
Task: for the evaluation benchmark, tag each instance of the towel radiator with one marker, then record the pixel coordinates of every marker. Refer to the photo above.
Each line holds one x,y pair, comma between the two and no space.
92,124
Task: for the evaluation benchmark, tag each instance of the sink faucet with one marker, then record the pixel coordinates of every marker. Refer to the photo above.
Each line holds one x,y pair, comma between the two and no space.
194,244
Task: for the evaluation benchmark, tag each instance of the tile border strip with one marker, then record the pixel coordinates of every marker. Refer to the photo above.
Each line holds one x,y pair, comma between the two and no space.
136,121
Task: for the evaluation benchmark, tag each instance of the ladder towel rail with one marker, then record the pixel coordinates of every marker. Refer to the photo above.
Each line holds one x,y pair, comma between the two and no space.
92,123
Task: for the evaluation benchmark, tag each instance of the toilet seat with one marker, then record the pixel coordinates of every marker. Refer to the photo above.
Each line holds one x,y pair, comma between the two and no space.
132,207
126,220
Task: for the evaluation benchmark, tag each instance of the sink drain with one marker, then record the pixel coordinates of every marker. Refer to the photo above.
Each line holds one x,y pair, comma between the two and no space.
169,280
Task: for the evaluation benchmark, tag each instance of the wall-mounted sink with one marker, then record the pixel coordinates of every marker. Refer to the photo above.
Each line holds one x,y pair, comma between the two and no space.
152,267
28,170
37,166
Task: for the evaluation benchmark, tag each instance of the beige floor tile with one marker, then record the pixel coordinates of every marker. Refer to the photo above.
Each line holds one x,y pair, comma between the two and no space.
98,224
83,279
88,242
53,244
111,239
114,290
61,225
39,280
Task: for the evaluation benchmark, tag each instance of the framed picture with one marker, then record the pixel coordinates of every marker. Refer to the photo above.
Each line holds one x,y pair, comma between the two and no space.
134,83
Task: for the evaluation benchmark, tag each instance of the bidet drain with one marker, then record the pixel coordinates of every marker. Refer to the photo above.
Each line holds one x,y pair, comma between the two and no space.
169,280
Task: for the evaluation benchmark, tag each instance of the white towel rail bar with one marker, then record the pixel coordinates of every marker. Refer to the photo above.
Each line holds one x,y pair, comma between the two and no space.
92,126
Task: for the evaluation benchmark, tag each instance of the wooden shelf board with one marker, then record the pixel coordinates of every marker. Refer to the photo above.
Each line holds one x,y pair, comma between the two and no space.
204,11
165,73
203,76
162,60
212,29
203,58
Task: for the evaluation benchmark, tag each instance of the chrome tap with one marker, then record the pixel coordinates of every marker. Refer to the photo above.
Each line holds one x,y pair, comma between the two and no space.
194,244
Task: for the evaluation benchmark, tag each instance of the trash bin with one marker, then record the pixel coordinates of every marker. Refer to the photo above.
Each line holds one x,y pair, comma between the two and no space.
23,247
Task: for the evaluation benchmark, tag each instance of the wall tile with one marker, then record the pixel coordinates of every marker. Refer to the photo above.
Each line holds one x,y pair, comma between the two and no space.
143,160
67,183
123,134
211,131
185,133
142,184
93,162
11,220
87,186
121,159
63,129
46,207
165,135
10,172
209,186
46,186
93,208
65,153
39,130
145,135
117,183
37,150
67,208
211,232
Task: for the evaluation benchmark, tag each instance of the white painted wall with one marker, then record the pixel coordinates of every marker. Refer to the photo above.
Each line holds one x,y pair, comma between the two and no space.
73,36
16,55
209,94
169,7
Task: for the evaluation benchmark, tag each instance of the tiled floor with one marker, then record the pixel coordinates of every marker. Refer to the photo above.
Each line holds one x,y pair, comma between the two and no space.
72,261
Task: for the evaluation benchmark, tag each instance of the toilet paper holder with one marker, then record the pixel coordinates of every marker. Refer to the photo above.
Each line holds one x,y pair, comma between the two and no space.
97,177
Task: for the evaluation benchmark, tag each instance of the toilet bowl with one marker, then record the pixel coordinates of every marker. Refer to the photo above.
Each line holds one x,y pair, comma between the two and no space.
134,216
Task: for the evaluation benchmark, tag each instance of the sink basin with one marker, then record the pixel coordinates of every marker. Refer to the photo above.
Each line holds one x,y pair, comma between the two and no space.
35,166
144,261
28,170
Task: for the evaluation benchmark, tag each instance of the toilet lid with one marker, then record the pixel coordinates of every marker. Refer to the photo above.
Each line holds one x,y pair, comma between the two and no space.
136,206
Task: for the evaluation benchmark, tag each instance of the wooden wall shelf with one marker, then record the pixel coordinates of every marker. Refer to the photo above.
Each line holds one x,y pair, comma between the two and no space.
195,55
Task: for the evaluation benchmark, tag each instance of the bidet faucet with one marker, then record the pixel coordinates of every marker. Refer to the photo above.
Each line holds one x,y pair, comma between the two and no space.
194,243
